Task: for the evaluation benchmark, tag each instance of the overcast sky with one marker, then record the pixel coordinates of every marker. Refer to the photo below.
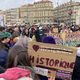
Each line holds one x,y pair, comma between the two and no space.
6,4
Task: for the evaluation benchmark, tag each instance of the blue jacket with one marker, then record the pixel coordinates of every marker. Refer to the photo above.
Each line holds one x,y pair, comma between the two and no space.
3,57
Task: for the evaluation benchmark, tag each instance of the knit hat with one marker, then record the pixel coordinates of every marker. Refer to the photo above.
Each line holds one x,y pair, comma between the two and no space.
5,35
48,39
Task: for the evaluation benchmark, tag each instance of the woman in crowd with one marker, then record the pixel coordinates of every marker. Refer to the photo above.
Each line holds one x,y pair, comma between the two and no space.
4,47
23,39
26,32
18,57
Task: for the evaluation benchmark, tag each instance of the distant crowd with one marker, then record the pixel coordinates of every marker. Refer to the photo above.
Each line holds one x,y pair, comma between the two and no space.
14,60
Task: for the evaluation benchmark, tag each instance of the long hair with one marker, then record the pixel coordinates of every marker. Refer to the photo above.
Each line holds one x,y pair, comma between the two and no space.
18,56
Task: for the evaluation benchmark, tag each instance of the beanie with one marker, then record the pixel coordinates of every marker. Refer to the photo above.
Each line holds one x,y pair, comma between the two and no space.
5,35
48,39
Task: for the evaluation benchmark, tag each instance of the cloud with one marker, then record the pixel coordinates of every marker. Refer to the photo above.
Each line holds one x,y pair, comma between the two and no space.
6,4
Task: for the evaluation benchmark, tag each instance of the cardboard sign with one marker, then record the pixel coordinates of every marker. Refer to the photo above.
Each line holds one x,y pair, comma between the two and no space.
63,75
53,57
41,71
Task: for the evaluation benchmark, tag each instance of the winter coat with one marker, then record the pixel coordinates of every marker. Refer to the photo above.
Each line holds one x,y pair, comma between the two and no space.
16,74
31,70
3,57
76,70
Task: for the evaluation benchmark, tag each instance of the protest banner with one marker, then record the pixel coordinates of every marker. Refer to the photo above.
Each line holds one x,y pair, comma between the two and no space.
52,57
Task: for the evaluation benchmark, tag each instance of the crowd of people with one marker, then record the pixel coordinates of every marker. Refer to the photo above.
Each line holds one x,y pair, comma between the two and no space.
14,58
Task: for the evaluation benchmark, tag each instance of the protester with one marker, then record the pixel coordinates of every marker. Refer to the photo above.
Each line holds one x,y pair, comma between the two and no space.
2,28
26,32
3,57
32,31
18,57
76,70
10,30
16,31
15,39
39,34
4,47
5,38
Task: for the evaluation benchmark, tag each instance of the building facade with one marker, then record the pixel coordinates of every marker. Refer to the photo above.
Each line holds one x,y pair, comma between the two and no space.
67,12
43,12
26,13
78,17
39,12
12,16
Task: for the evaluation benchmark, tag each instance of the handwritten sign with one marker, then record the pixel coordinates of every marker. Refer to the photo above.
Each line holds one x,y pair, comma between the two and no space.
41,71
53,57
